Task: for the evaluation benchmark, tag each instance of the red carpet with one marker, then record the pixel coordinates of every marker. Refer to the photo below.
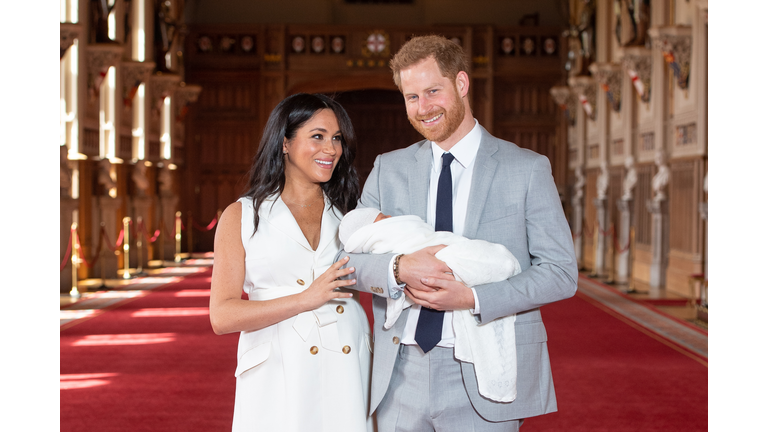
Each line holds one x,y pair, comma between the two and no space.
157,371
154,364
610,376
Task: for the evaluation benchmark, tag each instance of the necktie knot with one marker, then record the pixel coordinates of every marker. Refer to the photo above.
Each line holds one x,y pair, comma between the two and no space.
447,159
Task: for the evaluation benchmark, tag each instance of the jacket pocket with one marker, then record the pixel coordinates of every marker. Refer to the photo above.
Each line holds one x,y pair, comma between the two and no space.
530,333
492,215
253,349
252,358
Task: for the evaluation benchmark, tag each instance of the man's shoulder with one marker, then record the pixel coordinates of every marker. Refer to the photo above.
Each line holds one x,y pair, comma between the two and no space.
510,151
403,154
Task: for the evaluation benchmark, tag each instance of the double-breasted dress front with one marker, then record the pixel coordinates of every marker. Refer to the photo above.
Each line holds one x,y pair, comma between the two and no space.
311,371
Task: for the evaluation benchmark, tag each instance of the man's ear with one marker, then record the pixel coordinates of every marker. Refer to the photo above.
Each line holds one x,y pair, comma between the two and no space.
462,83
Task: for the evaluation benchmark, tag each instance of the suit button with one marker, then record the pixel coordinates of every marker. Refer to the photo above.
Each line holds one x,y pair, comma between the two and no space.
313,350
299,281
340,309
395,340
346,349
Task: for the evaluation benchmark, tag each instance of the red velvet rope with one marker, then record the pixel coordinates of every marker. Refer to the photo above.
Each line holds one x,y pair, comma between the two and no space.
207,228
143,229
169,236
118,243
68,252
618,248
88,264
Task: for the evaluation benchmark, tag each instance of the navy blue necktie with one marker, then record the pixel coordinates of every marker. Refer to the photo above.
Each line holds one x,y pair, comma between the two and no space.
429,329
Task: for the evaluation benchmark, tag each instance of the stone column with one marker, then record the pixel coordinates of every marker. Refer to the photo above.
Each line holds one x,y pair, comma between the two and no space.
168,205
105,214
601,227
623,259
67,207
140,209
659,210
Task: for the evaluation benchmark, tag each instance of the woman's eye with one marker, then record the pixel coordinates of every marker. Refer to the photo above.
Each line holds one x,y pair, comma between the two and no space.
317,136
337,138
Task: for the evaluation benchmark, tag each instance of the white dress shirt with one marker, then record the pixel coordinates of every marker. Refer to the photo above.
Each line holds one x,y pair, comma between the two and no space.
462,168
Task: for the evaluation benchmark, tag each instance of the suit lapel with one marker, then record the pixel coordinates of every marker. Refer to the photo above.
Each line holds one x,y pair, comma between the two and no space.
280,217
485,168
418,181
329,227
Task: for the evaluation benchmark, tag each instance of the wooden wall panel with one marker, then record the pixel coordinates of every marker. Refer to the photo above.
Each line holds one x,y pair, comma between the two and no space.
380,123
642,193
590,217
684,197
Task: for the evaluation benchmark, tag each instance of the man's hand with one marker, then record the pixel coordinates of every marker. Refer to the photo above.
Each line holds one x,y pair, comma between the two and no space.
422,264
443,295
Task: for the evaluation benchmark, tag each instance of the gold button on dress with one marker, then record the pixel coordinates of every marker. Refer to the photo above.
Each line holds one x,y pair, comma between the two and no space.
300,282
346,349
340,309
313,350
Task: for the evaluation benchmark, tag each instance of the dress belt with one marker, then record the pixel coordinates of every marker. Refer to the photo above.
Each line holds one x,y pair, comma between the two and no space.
324,317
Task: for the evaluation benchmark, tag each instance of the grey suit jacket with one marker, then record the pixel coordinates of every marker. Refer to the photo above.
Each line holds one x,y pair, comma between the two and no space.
513,201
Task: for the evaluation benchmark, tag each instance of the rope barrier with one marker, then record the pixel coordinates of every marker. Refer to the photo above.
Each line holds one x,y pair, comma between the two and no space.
68,252
87,263
206,228
588,232
118,243
149,239
619,249
168,235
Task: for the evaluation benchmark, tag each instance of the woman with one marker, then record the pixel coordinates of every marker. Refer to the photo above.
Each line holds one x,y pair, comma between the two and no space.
304,353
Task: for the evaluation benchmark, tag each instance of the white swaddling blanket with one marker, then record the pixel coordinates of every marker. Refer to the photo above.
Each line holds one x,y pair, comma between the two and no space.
491,346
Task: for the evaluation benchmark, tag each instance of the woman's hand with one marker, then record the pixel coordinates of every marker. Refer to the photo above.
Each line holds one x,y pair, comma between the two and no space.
322,290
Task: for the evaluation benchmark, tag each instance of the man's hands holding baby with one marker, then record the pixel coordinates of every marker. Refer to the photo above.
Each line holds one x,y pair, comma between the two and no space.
429,282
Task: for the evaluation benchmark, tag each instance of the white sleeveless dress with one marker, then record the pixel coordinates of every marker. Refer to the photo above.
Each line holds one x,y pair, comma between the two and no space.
311,371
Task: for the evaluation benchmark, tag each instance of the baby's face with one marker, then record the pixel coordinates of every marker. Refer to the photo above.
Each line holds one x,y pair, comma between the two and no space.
381,216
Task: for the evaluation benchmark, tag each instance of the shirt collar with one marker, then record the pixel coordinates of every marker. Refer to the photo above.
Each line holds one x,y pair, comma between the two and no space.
464,151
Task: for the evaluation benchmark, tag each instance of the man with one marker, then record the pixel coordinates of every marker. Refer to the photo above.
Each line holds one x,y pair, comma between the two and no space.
484,188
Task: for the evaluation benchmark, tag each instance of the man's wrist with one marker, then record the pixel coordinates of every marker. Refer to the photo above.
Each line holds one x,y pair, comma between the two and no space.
396,269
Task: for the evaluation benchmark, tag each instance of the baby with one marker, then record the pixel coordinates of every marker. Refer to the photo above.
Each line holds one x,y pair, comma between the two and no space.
473,262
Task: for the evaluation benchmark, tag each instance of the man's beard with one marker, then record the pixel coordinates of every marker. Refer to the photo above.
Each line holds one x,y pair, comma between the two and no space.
453,117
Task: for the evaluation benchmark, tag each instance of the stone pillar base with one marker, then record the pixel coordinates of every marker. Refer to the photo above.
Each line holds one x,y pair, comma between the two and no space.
659,246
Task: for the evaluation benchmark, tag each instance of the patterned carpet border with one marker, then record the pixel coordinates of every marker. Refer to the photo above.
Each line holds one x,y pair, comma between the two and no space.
693,339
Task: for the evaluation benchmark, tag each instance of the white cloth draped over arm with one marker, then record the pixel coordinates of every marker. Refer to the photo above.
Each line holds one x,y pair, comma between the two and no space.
474,262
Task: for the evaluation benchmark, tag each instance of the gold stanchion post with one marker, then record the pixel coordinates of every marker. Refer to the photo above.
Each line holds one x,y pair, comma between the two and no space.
177,256
190,241
126,248
139,244
162,243
74,292
103,260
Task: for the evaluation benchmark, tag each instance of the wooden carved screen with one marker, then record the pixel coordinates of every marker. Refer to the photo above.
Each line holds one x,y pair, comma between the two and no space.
684,198
224,132
380,123
590,217
526,115
642,194
614,193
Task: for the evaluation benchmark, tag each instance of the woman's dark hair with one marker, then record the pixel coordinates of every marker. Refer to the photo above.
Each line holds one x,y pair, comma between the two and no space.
267,174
